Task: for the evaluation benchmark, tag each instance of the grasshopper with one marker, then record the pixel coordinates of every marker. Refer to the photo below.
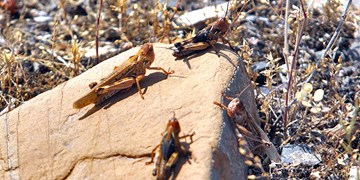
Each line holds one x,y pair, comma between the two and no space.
205,38
122,78
245,123
167,152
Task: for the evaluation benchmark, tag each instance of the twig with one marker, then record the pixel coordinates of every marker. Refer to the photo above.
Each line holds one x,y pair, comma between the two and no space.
286,35
293,64
53,39
120,16
332,41
97,31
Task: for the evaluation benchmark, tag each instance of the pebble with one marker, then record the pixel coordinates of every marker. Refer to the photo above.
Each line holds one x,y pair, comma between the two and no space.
42,19
299,154
354,173
194,17
259,66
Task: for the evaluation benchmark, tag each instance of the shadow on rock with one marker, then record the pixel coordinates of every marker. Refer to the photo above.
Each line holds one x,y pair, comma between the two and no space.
174,171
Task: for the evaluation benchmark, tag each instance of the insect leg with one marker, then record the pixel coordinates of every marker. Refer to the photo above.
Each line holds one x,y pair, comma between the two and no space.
172,160
226,41
124,83
227,97
180,45
163,70
216,50
187,135
221,105
152,155
138,79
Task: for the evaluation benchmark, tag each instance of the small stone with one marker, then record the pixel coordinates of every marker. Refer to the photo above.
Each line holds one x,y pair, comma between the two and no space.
354,173
299,154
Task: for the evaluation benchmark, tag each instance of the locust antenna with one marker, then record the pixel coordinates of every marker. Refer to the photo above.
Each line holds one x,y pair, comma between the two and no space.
244,89
174,114
227,8
237,16
181,115
239,12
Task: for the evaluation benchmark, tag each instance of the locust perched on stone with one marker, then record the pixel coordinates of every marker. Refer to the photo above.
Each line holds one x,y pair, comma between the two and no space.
246,124
122,78
167,152
205,38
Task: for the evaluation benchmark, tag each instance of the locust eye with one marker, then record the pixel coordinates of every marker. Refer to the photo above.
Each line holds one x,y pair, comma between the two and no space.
146,62
150,47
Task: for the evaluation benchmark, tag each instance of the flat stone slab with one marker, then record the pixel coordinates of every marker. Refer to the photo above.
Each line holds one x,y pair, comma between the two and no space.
45,138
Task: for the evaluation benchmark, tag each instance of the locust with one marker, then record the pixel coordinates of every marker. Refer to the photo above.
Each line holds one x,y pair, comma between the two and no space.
246,124
205,38
122,78
167,152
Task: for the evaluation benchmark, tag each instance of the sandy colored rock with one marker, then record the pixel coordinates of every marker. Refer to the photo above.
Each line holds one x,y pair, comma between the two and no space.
46,138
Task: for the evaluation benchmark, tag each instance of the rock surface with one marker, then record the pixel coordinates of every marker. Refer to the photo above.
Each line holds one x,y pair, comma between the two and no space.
46,138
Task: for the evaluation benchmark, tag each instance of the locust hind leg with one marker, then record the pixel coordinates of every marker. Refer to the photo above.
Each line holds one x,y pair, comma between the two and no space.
124,83
180,45
172,160
164,172
157,161
153,153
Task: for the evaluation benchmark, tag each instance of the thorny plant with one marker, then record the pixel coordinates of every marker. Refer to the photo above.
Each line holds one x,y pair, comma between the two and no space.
272,71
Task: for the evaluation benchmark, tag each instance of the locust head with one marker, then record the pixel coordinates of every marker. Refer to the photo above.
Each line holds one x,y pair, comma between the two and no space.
222,25
147,54
173,127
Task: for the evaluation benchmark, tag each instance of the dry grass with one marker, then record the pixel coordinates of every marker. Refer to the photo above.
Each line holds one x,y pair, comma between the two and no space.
37,56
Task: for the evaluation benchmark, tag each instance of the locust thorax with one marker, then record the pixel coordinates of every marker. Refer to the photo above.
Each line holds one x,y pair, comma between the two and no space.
223,25
147,54
234,106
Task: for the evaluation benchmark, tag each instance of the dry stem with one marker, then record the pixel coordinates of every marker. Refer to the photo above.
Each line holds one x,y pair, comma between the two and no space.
286,35
332,41
97,31
293,64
